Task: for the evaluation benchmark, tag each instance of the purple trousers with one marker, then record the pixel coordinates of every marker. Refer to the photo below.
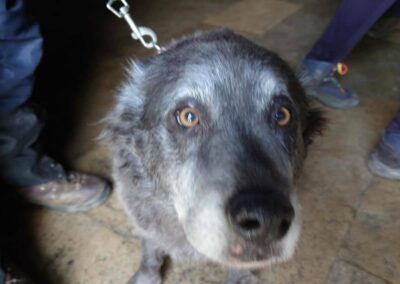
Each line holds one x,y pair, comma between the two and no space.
350,23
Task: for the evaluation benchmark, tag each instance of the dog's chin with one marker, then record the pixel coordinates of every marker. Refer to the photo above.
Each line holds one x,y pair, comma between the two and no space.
253,264
250,265
277,255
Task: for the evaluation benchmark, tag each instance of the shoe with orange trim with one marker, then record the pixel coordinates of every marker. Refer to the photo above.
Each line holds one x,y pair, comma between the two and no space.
324,87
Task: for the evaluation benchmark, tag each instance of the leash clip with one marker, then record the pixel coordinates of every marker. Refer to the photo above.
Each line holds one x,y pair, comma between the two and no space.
145,35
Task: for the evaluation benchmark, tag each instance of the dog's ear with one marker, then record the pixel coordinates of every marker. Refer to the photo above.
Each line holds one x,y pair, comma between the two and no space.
315,120
314,124
126,115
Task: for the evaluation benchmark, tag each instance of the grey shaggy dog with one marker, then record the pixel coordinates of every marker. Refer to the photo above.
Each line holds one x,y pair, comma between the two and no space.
207,139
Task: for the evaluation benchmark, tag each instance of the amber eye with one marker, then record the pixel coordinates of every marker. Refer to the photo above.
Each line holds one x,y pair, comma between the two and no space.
282,116
188,117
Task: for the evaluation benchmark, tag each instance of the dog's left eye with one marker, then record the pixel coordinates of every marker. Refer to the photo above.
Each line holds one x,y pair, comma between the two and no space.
283,116
188,117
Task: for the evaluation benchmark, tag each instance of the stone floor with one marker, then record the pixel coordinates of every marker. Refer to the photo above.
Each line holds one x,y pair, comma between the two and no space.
351,227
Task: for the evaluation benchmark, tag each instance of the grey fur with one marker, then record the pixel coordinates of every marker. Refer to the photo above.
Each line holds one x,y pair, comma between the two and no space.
175,183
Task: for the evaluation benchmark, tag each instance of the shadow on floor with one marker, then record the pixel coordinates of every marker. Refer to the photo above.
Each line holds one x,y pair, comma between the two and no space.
69,44
68,47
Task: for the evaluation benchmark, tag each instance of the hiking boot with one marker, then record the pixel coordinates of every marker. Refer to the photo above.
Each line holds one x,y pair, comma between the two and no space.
73,192
38,178
47,184
324,87
385,159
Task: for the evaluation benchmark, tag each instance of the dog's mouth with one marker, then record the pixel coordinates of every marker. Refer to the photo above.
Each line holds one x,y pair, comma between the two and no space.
252,254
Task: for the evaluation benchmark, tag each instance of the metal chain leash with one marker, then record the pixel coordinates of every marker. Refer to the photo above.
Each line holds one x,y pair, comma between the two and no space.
138,32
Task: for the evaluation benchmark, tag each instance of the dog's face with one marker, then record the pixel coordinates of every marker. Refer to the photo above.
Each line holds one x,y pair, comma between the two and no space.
220,126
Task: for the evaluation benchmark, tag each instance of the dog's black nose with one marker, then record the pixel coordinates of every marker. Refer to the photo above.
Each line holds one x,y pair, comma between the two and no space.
260,216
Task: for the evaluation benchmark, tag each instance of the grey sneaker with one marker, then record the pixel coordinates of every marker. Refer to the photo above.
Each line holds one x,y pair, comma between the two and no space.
324,87
385,159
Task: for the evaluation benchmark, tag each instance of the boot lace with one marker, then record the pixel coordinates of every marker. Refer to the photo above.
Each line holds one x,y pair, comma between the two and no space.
342,70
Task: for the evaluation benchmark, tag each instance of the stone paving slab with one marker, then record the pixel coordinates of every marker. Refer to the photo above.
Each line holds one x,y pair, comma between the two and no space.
75,249
373,241
345,273
253,16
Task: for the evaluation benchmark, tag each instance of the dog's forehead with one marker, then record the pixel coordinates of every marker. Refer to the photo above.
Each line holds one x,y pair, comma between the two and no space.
227,80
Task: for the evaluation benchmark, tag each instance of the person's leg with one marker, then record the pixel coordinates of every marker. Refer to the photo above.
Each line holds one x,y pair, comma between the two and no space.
350,23
20,54
38,178
394,11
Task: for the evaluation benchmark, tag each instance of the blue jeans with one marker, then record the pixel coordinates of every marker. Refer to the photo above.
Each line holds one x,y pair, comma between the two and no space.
350,23
20,54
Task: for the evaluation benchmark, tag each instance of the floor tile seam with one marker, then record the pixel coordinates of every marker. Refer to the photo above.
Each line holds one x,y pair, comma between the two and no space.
355,212
255,34
363,193
348,262
355,265
349,225
103,224
347,233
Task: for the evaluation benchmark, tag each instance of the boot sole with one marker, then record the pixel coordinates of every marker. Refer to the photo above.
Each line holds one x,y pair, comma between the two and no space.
336,105
377,167
101,198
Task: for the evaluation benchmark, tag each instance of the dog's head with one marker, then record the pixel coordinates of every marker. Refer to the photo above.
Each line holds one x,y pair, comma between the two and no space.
220,126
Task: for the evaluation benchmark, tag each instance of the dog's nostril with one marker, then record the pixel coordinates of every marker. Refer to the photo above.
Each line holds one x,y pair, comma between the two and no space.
285,222
248,221
283,228
249,224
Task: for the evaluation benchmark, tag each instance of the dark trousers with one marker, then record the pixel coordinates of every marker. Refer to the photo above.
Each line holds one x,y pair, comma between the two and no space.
350,23
20,54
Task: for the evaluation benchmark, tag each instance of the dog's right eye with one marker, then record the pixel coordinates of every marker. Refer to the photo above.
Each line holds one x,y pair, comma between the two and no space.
188,117
283,116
